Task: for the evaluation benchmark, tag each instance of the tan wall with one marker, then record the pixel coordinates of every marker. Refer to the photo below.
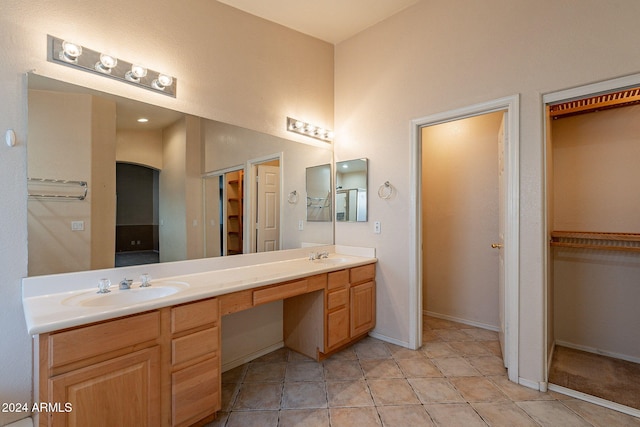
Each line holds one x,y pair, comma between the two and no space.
440,55
460,219
140,147
596,175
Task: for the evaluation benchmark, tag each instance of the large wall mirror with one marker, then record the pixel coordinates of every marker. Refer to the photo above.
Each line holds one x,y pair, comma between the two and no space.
107,190
351,190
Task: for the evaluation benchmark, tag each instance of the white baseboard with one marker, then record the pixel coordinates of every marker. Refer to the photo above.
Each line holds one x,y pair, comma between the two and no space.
463,321
390,340
595,400
227,366
598,351
529,383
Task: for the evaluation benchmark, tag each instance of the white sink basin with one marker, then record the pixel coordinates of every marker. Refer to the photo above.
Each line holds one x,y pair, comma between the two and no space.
125,297
330,260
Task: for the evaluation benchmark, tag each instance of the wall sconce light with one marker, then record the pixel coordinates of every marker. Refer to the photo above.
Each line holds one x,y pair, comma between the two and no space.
307,129
74,55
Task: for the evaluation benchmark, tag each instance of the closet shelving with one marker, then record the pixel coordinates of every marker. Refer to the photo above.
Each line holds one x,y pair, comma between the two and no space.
625,242
234,213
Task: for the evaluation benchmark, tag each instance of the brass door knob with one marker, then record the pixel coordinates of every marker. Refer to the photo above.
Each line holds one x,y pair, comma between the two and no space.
496,245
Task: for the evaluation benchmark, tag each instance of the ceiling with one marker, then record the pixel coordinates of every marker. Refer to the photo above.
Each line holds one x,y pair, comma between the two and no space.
329,20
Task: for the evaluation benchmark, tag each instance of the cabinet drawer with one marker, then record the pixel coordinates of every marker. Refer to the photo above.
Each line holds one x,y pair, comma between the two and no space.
194,345
279,292
363,273
237,301
338,279
85,342
189,316
337,298
195,392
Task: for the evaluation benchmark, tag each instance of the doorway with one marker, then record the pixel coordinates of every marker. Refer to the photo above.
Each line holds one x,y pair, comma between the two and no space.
137,204
508,199
593,232
264,227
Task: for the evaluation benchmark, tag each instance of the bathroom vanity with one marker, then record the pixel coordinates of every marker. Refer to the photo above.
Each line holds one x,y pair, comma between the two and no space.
156,362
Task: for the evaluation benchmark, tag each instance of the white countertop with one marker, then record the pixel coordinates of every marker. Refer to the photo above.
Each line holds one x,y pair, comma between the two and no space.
66,300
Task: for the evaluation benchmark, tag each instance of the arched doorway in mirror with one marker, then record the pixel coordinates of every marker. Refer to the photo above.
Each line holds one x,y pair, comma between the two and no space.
137,206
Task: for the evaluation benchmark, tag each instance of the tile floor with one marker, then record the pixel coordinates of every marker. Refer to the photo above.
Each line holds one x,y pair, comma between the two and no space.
455,379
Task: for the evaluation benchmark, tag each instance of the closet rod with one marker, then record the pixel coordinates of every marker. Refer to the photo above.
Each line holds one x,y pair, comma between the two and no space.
624,242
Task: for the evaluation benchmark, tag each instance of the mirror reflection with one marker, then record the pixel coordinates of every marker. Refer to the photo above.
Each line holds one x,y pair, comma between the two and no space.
318,188
154,189
351,190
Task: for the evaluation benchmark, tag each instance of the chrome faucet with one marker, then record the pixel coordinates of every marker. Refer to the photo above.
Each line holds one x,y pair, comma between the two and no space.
125,284
318,255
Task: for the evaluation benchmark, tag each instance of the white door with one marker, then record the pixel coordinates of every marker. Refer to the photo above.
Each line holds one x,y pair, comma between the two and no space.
499,245
268,218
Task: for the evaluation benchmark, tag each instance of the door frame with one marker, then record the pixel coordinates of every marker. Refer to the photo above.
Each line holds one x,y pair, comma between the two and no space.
553,98
511,105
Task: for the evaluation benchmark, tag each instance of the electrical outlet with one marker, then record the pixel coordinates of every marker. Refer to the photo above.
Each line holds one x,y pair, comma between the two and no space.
77,225
376,227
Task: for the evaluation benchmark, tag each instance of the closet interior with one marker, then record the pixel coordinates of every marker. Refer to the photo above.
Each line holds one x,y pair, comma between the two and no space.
593,199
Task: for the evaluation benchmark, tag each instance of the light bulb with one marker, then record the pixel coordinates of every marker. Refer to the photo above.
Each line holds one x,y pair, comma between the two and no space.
136,73
162,81
106,63
70,51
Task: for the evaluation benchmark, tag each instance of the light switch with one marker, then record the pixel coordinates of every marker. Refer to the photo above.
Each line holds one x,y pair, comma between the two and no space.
300,225
77,225
376,227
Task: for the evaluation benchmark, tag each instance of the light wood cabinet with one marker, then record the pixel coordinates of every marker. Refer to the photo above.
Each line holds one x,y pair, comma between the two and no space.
157,368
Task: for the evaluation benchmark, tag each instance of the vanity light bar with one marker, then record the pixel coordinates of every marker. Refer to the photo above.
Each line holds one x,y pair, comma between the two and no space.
307,129
74,55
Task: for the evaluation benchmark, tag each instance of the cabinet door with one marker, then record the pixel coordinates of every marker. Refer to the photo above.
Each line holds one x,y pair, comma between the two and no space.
195,392
124,391
363,308
337,327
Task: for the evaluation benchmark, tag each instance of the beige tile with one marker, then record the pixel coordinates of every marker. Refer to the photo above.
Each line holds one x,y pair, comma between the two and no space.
488,365
552,413
344,370
470,348
438,349
235,375
479,334
294,356
265,372
494,347
430,336
258,396
368,349
253,419
404,416
392,392
351,417
601,416
348,393
304,418
381,368
415,368
436,323
503,414
455,367
304,395
435,390
347,354
452,335
398,352
454,414
280,355
304,371
518,392
477,389
219,421
229,393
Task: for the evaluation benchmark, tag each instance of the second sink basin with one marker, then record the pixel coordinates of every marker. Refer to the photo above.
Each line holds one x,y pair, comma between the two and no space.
126,297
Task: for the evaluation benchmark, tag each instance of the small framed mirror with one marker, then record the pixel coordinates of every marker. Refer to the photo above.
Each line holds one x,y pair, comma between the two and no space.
319,193
351,190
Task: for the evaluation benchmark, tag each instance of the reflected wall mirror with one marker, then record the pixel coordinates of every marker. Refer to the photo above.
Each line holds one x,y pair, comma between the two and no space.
351,190
164,197
318,186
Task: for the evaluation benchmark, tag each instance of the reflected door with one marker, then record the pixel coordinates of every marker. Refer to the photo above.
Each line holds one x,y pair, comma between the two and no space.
268,217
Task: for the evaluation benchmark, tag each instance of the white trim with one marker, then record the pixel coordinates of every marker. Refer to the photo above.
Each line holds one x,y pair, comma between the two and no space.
512,227
463,321
595,400
529,384
597,351
374,334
